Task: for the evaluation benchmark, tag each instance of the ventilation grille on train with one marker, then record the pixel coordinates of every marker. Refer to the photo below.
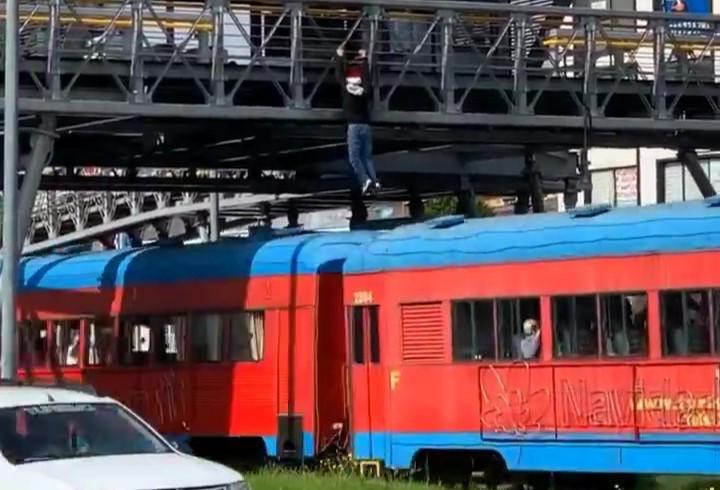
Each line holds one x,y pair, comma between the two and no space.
423,335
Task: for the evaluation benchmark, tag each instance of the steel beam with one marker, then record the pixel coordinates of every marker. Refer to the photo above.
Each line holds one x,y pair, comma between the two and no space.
41,153
690,160
497,85
189,111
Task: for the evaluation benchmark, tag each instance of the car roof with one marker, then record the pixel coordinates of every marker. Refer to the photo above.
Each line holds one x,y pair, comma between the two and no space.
589,231
23,396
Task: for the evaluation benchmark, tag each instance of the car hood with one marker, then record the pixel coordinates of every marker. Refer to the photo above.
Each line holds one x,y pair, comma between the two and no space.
134,472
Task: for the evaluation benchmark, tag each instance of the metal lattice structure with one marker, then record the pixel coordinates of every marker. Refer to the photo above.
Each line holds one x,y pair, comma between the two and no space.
250,89
442,63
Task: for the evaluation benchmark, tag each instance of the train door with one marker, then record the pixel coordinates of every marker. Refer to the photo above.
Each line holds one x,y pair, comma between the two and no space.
365,388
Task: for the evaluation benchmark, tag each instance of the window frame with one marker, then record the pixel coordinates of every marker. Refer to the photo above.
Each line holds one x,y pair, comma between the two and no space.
711,330
495,330
538,355
471,301
223,338
228,354
554,327
366,352
646,334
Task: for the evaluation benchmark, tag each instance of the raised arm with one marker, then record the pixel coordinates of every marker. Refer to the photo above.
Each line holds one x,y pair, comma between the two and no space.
340,64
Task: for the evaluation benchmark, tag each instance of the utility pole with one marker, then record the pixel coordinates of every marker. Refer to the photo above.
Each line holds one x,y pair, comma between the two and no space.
10,161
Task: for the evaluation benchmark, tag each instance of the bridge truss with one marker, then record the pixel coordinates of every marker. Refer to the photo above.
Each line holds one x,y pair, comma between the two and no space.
217,96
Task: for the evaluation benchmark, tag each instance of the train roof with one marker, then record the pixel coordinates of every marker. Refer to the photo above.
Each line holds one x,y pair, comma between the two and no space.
583,232
299,253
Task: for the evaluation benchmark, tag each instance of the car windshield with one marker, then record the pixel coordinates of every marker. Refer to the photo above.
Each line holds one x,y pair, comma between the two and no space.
73,430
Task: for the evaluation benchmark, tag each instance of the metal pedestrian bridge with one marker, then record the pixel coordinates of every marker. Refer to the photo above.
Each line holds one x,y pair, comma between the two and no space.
164,96
445,64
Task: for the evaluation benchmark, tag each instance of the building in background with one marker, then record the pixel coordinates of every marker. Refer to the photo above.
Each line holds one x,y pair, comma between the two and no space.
646,176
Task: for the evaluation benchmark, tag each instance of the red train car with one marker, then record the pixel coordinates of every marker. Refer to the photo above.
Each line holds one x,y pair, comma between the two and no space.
625,377
235,340
434,367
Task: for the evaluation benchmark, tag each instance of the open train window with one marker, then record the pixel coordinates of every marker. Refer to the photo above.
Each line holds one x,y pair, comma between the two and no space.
575,326
685,318
623,320
473,330
511,314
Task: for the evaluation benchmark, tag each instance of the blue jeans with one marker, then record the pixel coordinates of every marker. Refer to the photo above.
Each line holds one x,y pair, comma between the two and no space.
359,141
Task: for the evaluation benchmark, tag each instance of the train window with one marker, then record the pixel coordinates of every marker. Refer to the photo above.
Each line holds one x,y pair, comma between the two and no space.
473,330
99,341
136,342
33,340
357,328
511,314
247,330
206,337
374,334
623,318
716,318
172,334
575,322
685,322
66,351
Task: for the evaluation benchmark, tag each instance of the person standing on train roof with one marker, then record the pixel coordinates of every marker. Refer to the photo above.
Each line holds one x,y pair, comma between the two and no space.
354,77
530,344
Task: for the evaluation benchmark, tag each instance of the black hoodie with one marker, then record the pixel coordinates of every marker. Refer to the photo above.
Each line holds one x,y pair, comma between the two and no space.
356,89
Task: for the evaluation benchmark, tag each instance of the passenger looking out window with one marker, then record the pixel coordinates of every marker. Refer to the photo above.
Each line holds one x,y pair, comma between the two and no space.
512,315
494,329
530,344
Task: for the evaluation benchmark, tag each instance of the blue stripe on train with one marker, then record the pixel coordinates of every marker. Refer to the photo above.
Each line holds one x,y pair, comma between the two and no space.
679,452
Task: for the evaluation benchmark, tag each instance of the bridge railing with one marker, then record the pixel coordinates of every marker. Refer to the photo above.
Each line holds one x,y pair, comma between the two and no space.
451,52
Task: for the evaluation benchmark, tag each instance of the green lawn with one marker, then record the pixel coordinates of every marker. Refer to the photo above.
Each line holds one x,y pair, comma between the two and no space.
276,479
283,479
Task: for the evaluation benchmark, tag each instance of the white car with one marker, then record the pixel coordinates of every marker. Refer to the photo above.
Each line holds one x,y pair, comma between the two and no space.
64,439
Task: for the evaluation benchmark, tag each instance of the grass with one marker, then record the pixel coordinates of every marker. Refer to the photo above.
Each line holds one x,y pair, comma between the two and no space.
270,478
282,479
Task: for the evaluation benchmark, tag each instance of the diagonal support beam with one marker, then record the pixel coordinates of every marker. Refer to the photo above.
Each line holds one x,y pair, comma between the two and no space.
42,148
690,161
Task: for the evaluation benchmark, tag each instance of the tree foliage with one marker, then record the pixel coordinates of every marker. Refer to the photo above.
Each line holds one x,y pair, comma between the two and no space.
447,205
